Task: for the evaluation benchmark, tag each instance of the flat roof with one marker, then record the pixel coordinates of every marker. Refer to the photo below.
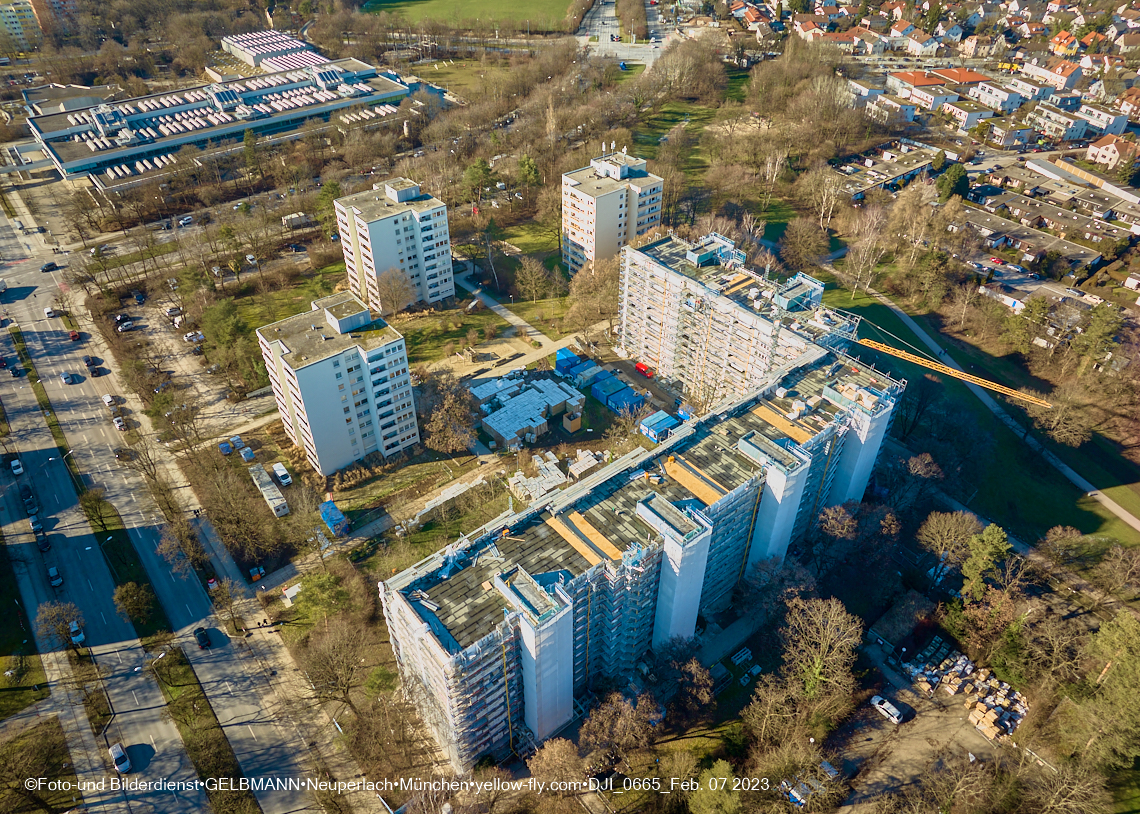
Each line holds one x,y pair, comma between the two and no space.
453,590
859,178
309,338
374,204
588,182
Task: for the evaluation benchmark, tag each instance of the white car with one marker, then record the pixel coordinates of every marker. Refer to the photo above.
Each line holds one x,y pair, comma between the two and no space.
120,759
194,336
120,424
172,312
888,710
249,258
108,399
77,636
186,221
17,467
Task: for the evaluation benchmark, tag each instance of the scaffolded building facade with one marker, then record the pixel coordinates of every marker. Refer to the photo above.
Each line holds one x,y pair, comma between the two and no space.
502,634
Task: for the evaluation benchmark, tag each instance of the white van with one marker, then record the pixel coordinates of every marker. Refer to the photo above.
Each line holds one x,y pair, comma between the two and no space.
282,474
49,313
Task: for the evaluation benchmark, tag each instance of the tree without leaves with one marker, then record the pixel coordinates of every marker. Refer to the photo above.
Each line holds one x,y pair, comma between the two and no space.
1068,420
820,638
335,661
224,596
594,294
947,535
803,244
532,279
134,602
55,618
96,507
39,751
451,426
395,291
618,727
1119,569
558,762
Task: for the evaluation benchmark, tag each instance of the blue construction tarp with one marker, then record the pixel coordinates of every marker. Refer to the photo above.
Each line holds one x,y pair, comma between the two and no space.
565,359
626,400
602,390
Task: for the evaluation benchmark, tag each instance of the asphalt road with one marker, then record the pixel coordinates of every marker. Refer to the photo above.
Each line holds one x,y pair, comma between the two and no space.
601,21
232,680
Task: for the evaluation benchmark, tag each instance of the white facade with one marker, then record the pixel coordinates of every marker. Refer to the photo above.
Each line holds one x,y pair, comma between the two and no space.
999,97
340,379
1104,121
605,205
19,22
395,226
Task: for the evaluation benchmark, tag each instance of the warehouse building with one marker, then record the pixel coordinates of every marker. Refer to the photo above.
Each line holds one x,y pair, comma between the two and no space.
500,636
132,140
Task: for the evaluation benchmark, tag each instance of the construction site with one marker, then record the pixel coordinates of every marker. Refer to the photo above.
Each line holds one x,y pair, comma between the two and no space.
501,636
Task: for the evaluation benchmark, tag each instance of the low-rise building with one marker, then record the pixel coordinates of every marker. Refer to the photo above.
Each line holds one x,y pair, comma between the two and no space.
999,97
1103,120
1004,132
516,412
1111,151
892,169
891,109
1030,89
998,232
1057,124
933,97
1057,73
967,113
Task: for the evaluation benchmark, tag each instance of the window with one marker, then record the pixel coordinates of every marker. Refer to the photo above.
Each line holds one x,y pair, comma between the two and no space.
338,375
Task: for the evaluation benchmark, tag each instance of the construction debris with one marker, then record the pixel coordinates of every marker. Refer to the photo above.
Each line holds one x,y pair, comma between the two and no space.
996,709
550,477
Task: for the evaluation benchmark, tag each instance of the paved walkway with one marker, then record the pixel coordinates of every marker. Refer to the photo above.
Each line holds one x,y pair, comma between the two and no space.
522,327
992,405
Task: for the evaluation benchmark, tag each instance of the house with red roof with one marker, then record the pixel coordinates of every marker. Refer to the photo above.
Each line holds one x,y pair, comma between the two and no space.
1111,151
1129,102
1064,44
1058,73
960,76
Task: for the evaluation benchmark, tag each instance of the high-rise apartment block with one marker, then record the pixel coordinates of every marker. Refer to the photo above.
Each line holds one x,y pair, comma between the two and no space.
18,20
340,378
606,204
714,328
56,15
501,634
395,226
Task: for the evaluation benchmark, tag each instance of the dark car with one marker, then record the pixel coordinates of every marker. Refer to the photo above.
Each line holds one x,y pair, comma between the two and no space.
52,266
25,491
120,318
13,372
3,362
42,542
88,361
197,351
97,371
202,637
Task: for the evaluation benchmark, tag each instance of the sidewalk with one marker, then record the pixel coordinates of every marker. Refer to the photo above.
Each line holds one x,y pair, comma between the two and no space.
991,404
522,327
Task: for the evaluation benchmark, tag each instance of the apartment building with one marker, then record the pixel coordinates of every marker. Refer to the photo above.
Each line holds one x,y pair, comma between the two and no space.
999,97
1057,73
395,226
56,15
967,113
606,204
1104,121
18,20
1056,123
340,379
710,326
501,636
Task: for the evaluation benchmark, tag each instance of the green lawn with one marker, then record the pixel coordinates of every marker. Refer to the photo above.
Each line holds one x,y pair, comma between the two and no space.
261,309
1022,494
106,262
544,315
427,334
629,72
460,77
31,684
419,475
531,237
541,13
1125,787
652,127
737,84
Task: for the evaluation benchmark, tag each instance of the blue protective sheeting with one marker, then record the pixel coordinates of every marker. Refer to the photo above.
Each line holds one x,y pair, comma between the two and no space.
658,426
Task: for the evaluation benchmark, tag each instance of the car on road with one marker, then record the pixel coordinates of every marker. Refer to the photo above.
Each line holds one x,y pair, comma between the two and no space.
54,577
193,336
3,362
172,312
120,759
202,637
66,377
31,507
17,467
108,399
36,524
887,709
88,361
249,258
42,542
77,636
73,336
97,371
125,326
51,266
997,261
119,423
186,221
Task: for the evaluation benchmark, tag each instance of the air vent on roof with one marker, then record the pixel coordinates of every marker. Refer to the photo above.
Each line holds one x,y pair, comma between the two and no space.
314,327
324,338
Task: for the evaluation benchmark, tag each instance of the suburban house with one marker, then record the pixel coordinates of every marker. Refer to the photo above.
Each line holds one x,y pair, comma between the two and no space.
920,44
1007,133
949,31
1129,101
1111,150
1057,73
967,113
933,97
1064,44
1103,120
999,97
1128,42
1032,91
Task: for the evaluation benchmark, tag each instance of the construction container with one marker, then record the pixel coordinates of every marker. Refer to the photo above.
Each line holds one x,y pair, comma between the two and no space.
627,400
602,390
658,426
564,360
586,374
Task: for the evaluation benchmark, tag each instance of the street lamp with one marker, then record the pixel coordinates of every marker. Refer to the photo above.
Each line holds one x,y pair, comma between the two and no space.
53,458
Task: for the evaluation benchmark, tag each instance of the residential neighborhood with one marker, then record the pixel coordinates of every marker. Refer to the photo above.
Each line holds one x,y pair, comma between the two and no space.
636,406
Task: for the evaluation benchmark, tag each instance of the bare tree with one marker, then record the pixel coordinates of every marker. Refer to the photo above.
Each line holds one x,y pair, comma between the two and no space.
867,248
619,727
558,762
395,291
803,244
1119,569
820,638
55,618
134,602
947,535
822,189
532,279
335,661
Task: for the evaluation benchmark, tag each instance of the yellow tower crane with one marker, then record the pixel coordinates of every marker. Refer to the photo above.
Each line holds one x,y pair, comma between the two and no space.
957,374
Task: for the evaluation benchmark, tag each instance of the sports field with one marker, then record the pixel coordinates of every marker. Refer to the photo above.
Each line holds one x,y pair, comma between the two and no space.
543,14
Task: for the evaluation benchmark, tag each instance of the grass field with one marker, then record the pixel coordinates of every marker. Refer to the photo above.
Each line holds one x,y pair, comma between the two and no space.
531,237
1125,788
543,315
262,309
425,335
541,13
1023,495
462,77
62,793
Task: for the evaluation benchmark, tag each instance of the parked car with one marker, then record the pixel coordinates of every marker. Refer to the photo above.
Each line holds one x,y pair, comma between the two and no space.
186,221
52,266
66,377
73,336
17,467
108,399
249,258
36,524
42,542
54,577
119,423
282,474
125,326
194,336
77,636
887,709
172,312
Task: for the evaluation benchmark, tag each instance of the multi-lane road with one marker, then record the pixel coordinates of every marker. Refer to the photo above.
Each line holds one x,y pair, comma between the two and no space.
238,688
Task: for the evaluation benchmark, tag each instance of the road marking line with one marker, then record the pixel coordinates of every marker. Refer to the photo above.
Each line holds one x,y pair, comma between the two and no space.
153,744
250,728
189,611
117,653
135,694
89,585
105,622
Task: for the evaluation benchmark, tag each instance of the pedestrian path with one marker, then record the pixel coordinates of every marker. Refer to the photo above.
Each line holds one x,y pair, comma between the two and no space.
523,328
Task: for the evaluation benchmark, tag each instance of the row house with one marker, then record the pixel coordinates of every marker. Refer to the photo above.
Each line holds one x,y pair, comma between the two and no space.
1128,42
1064,100
997,232
1110,151
1056,123
1031,28
1105,121
1099,63
999,97
921,45
863,92
981,47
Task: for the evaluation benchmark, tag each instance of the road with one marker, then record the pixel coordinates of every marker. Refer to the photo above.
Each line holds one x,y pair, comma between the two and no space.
601,21
233,681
